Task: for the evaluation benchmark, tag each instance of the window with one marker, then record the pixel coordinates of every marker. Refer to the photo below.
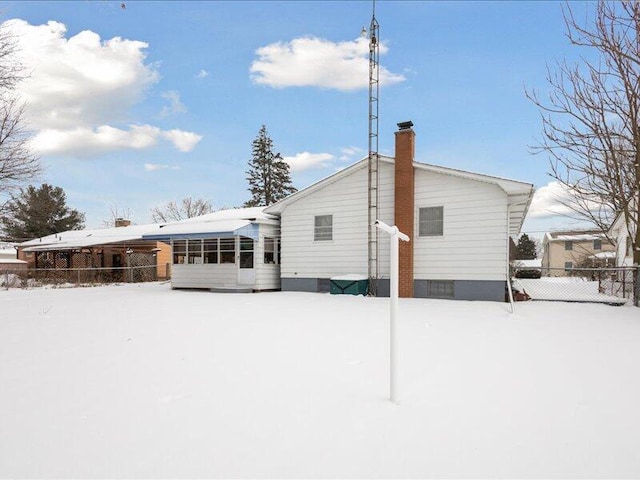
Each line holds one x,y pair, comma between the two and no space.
210,250
568,245
246,252
597,244
227,250
431,222
568,265
629,247
323,227
270,245
440,289
179,251
194,251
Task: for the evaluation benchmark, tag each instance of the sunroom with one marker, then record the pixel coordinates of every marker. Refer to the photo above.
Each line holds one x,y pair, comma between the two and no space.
229,250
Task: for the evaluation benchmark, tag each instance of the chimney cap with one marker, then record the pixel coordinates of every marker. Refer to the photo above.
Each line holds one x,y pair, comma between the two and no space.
405,125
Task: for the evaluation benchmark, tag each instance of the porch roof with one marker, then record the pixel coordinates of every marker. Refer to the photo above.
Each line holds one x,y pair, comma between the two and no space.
207,229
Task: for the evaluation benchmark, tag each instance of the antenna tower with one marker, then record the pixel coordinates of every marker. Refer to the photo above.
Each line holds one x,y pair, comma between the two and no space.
374,90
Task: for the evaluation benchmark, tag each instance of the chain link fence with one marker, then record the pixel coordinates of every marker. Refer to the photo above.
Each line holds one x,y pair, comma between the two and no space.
59,277
612,286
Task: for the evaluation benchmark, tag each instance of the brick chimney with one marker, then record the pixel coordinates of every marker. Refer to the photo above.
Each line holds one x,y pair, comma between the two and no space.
404,203
121,222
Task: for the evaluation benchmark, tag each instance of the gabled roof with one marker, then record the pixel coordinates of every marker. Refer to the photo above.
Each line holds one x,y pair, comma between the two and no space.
519,194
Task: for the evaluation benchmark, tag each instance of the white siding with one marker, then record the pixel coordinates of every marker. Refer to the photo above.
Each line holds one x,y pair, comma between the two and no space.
473,246
346,200
204,276
267,275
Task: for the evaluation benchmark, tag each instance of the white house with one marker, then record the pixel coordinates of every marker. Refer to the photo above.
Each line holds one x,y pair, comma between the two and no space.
228,250
459,223
620,232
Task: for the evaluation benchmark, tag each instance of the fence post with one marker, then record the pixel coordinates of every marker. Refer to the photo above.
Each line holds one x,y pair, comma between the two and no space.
636,284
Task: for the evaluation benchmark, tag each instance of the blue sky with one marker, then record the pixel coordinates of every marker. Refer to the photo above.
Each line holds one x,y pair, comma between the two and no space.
135,107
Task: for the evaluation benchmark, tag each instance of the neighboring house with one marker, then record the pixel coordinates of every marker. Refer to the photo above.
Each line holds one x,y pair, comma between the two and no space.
228,250
624,250
9,260
459,224
566,250
109,249
7,252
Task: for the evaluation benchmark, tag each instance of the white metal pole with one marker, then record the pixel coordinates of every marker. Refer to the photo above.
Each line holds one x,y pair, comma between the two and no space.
394,274
393,302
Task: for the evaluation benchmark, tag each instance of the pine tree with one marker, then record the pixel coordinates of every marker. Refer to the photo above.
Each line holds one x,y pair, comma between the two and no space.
37,212
268,175
526,248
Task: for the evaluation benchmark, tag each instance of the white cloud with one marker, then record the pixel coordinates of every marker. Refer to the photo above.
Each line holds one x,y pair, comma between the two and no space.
314,62
174,106
349,152
87,141
305,161
202,74
152,167
552,199
183,141
80,87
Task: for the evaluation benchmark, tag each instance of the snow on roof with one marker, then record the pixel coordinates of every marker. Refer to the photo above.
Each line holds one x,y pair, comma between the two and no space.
72,239
7,252
575,236
534,263
5,261
603,255
250,213
221,221
235,221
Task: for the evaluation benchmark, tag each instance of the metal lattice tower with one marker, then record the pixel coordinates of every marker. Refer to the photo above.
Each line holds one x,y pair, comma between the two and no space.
374,90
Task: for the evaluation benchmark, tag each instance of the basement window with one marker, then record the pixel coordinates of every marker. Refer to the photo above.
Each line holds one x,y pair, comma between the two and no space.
431,222
440,289
323,227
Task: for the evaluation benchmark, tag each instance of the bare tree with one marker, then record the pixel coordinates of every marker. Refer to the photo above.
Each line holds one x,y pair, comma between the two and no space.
18,164
186,208
591,118
117,213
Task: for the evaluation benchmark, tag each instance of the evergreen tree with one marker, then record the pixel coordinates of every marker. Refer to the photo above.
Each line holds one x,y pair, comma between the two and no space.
526,248
37,212
268,175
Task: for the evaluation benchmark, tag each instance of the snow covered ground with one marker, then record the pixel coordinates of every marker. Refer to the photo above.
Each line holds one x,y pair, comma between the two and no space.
141,381
566,289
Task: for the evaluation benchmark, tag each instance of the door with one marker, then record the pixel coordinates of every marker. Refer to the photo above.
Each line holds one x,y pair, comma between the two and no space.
246,268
